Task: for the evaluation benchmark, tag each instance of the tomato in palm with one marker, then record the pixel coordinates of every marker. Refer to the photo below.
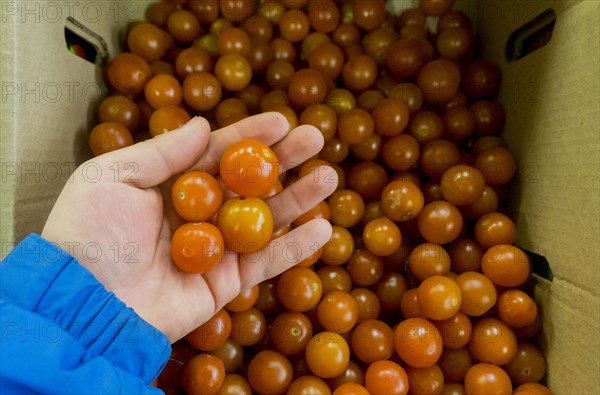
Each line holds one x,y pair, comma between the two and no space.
327,354
212,334
196,247
196,196
386,377
246,224
487,379
269,372
249,168
418,342
439,297
203,374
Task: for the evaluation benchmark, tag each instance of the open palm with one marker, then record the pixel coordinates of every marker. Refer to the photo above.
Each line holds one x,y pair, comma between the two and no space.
118,224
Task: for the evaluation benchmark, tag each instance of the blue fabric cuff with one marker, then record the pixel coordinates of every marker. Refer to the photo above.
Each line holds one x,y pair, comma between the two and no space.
41,277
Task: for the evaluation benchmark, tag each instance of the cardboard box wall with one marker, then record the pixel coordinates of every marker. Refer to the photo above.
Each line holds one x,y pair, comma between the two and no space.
49,99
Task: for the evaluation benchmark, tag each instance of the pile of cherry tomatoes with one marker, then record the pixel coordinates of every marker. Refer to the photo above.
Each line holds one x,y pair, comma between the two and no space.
420,289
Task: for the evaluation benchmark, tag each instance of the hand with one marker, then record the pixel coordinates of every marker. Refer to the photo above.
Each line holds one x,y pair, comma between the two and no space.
120,227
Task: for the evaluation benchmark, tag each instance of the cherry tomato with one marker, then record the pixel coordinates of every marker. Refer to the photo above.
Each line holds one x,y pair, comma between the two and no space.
532,389
462,185
246,224
480,78
231,354
201,91
290,332
269,372
495,228
389,290
456,330
196,196
233,71
359,72
351,389
299,289
237,10
327,354
439,80
338,312
365,268
355,126
440,222
528,366
492,341
197,247
439,297
425,381
212,334
147,41
204,374
386,377
235,384
418,342
427,260
369,14
346,208
368,304
109,136
401,200
166,119
516,308
249,168
120,109
248,327
381,236
465,255
487,379
454,363
308,385
128,73
437,156
497,165
372,340
183,26
506,265
244,300
478,293
307,87
390,117
339,248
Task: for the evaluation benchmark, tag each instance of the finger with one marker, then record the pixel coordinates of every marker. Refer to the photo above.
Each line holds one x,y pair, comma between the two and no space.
283,253
154,161
269,128
299,145
302,195
224,280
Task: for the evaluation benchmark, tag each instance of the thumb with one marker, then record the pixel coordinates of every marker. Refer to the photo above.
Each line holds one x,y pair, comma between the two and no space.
154,161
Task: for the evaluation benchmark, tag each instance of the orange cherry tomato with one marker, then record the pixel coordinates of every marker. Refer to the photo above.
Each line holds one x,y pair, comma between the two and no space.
418,342
327,354
382,237
249,168
196,196
196,247
109,136
212,334
439,297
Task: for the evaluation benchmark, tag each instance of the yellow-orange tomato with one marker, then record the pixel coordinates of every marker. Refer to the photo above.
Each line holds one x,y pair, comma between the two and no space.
246,224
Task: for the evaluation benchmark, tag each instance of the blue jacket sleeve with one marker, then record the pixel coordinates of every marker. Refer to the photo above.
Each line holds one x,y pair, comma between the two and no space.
62,332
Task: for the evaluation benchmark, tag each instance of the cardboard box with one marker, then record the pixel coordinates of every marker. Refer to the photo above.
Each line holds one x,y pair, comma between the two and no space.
49,100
